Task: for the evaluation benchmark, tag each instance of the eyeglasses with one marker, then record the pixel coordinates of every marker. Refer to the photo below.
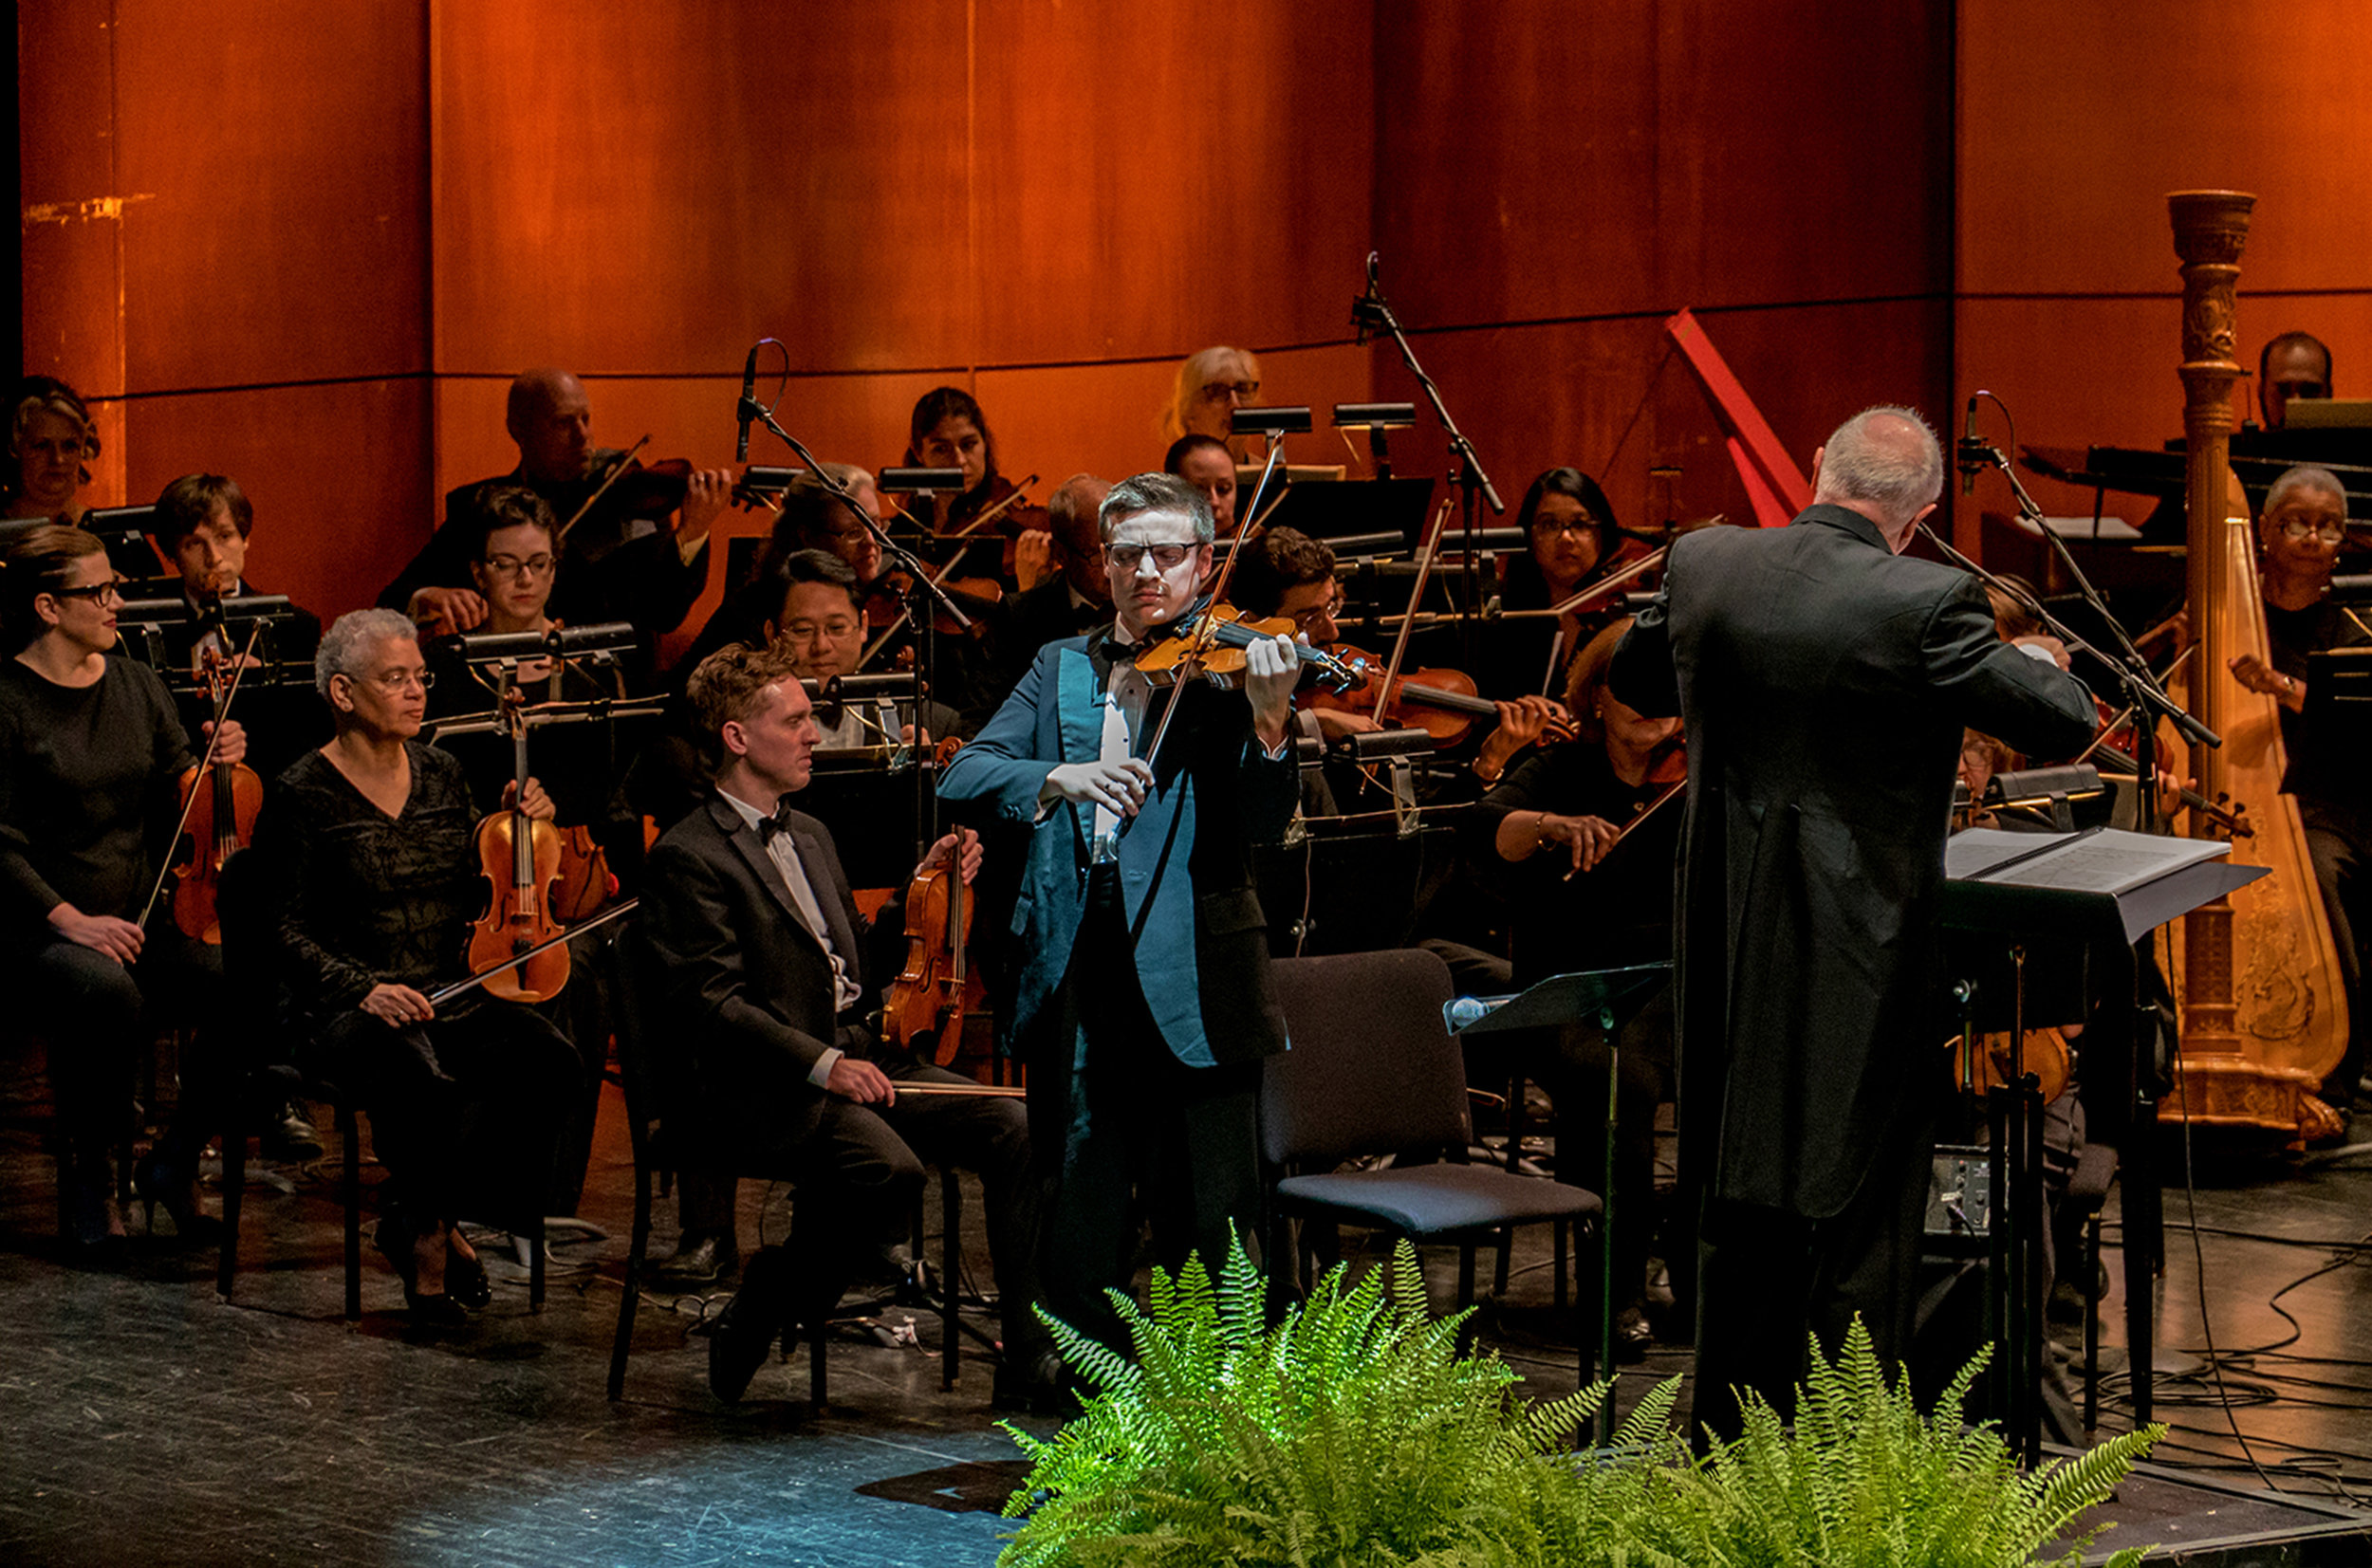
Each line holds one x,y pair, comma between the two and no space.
2302,528
838,629
1580,528
1166,557
98,593
510,565
396,680
1216,392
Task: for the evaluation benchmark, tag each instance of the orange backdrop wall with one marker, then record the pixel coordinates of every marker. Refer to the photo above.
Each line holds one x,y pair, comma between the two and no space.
308,248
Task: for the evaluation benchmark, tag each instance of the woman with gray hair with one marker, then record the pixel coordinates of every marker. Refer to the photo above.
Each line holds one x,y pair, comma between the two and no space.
369,840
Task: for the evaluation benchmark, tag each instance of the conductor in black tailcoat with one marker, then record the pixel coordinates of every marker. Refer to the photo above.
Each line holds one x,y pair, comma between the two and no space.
1824,680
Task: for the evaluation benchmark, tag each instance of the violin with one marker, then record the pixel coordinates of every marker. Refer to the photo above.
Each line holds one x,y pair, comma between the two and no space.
520,858
1445,704
932,995
218,805
1210,643
651,488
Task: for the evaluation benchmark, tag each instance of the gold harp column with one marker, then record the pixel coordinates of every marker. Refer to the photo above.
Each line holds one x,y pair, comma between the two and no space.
2210,227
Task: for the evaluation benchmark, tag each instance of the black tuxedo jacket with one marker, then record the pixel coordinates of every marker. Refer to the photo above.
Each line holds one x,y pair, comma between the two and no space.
1825,682
737,996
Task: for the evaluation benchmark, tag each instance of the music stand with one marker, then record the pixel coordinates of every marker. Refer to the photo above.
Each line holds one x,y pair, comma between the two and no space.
1608,999
1352,506
2095,890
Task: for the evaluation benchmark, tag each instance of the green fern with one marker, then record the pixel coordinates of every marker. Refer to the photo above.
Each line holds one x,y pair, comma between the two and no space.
1865,1479
1352,1432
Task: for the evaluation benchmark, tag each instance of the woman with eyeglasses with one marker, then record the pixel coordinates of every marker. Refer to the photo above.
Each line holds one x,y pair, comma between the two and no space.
2300,530
369,844
1212,384
515,565
91,756
1570,540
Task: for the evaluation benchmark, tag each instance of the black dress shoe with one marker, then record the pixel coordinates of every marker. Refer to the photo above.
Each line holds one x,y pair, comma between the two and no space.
746,1331
1036,1385
1634,1337
290,1137
465,1281
700,1261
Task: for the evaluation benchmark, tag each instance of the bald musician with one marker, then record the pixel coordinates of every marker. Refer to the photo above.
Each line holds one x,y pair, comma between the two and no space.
626,560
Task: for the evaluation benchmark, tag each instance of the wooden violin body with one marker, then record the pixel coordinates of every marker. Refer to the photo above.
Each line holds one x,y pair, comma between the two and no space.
520,858
1445,704
938,988
221,820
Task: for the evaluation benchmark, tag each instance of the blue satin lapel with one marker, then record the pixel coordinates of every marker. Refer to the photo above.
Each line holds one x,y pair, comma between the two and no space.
1078,711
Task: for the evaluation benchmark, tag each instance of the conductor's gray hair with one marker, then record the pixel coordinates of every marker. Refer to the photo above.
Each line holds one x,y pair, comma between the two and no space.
1884,456
352,638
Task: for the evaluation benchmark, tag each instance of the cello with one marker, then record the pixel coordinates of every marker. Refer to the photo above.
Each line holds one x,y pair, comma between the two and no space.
2261,1007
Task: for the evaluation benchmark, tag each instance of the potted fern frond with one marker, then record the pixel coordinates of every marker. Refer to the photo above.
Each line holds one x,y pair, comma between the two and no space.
1354,1433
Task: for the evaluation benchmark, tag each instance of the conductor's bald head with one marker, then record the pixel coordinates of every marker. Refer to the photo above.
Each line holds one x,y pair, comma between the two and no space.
1884,463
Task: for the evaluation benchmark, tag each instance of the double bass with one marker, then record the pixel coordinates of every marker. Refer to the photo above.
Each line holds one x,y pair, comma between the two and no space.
2256,977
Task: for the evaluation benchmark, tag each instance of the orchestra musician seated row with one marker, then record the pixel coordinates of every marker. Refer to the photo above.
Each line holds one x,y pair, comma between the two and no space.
1584,835
751,942
2300,530
516,568
52,440
368,842
92,758
639,554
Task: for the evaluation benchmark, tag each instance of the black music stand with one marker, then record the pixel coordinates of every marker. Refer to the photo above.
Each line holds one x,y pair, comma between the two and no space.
1608,999
2010,899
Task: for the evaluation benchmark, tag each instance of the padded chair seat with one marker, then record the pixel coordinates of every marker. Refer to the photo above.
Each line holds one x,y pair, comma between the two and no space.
1439,1200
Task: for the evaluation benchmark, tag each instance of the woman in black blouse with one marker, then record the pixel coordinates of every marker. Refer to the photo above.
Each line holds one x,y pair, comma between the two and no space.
1571,539
370,843
91,752
1586,896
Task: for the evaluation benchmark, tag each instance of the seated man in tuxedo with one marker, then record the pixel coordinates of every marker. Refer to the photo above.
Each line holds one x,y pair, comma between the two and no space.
637,555
755,955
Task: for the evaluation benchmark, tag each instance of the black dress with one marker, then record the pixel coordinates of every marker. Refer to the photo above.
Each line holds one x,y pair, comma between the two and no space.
464,1109
88,778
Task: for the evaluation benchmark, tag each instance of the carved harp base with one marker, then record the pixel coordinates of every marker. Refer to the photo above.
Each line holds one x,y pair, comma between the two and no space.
2234,1092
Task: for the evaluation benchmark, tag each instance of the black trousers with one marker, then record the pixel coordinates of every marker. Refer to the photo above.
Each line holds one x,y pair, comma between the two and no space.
98,1016
859,1169
464,1109
1134,1135
2346,881
1766,1280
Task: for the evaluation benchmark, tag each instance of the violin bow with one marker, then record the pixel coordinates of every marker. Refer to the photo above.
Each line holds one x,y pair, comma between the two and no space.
222,711
601,490
447,992
1408,619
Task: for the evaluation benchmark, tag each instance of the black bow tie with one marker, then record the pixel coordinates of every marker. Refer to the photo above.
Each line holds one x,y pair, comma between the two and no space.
779,823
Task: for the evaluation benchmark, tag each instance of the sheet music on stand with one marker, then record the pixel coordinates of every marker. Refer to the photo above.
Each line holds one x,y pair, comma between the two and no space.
2151,879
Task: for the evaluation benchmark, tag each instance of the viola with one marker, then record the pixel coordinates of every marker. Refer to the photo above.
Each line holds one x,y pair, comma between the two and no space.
1444,704
219,801
520,858
938,987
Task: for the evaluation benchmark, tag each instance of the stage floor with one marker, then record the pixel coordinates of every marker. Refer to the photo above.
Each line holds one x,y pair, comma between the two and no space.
146,1423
